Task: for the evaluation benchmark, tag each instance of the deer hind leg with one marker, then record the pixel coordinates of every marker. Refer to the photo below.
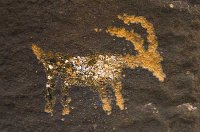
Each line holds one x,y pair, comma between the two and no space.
117,87
65,99
105,100
49,94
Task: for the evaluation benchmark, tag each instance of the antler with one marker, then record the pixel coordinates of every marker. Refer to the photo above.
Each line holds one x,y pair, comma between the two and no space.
131,36
151,37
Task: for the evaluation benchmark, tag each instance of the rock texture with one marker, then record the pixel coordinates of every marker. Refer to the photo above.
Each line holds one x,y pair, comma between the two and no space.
67,26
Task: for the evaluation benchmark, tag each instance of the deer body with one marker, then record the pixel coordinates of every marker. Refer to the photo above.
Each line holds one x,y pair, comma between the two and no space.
100,71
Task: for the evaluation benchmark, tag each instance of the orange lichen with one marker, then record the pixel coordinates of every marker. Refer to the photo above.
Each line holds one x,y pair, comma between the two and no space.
100,71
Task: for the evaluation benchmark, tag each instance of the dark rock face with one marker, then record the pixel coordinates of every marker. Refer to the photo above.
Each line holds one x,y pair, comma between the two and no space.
67,26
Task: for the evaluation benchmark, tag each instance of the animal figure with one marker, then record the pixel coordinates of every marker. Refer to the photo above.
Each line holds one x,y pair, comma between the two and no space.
100,70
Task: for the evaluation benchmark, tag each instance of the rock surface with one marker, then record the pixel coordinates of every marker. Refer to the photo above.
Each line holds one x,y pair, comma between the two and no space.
67,26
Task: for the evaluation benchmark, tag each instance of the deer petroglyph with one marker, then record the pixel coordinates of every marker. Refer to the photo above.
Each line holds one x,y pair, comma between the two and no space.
100,70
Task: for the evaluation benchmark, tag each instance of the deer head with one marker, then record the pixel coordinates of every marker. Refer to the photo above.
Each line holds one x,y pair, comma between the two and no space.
148,59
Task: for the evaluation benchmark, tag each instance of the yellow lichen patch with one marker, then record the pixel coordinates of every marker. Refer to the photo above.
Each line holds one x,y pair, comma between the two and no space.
48,110
65,111
100,71
58,63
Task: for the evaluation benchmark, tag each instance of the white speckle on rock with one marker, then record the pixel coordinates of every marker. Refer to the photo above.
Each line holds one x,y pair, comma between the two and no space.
49,77
151,107
50,67
95,77
66,61
188,106
47,85
171,5
66,84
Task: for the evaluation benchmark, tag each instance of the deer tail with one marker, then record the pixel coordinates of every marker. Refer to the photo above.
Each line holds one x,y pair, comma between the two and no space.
40,54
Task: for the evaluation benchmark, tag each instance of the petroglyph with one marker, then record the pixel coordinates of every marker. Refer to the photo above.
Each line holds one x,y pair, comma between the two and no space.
99,71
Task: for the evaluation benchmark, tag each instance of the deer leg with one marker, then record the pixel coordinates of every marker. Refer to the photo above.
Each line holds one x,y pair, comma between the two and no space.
65,99
49,94
105,100
117,87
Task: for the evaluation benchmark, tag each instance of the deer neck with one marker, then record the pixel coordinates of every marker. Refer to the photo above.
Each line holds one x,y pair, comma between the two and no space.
131,61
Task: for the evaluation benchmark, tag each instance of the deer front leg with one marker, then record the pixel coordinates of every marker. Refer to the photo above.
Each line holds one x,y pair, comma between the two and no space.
49,94
105,100
65,99
117,87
